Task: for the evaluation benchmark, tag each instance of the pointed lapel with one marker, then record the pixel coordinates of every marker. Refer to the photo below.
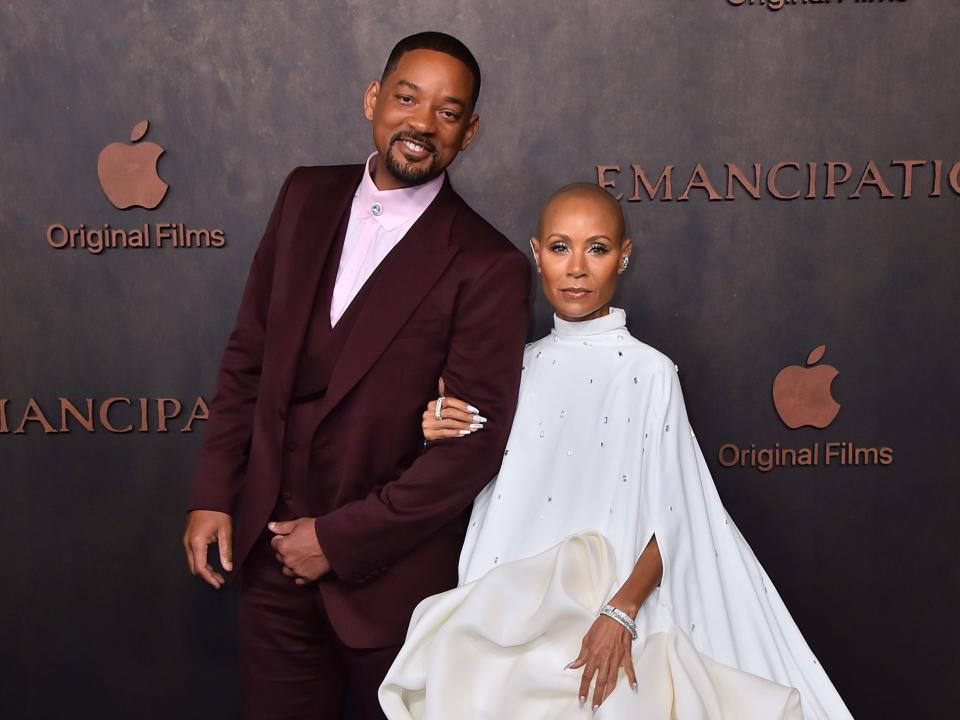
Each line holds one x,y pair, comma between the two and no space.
400,283
313,236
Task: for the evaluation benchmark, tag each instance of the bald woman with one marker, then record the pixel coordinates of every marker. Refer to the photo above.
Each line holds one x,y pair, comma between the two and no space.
601,575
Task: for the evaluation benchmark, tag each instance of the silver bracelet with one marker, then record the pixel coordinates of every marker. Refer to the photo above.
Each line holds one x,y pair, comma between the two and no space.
621,617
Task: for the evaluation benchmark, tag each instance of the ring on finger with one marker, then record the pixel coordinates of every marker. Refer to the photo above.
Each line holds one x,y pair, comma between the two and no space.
439,408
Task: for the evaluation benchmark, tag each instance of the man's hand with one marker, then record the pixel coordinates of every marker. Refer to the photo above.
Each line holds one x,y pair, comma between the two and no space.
298,550
205,527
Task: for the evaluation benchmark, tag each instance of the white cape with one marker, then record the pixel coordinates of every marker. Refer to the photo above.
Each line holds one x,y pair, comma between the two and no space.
600,458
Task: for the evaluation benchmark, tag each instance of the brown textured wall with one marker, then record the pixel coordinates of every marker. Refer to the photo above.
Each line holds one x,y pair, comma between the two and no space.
98,614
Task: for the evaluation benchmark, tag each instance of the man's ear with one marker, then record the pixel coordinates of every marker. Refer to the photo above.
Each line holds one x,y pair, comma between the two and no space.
370,99
472,126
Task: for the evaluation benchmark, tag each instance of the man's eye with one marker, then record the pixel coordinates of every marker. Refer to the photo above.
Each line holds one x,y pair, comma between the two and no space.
404,98
450,115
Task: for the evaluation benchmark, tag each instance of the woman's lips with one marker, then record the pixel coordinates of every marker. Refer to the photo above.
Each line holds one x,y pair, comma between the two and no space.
575,293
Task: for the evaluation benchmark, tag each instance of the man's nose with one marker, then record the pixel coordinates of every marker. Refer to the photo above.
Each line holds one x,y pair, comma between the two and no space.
422,120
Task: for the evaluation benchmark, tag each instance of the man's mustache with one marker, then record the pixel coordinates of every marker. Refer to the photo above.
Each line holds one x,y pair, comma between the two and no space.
414,137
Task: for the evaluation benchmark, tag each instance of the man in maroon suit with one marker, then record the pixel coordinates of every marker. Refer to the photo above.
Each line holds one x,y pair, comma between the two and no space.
371,282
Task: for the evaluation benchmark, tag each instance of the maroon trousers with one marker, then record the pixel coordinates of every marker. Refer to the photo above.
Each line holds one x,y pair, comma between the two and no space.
292,664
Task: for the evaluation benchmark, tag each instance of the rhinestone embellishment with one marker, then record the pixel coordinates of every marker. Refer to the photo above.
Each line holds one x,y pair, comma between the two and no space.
376,209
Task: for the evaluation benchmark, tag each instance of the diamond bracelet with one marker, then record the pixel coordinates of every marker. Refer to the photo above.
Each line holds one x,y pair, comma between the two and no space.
621,617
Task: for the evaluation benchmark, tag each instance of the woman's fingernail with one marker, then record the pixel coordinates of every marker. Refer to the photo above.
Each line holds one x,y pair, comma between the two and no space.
633,686
471,408
595,707
582,701
569,665
465,432
479,418
476,426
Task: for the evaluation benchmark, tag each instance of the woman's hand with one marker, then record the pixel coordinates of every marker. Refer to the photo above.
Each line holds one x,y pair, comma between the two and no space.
458,419
604,650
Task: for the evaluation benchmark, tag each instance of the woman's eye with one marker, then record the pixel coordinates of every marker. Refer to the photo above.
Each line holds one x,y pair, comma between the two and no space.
558,247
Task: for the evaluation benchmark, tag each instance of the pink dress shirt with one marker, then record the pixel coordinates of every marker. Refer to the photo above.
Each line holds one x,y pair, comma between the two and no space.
378,221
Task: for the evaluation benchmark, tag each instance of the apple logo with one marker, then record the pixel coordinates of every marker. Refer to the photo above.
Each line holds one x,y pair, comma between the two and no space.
128,173
802,396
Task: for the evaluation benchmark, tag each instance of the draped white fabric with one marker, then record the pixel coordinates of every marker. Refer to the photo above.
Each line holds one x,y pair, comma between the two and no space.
600,458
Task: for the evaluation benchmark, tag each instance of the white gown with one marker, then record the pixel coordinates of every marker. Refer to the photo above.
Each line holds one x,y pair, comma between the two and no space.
600,458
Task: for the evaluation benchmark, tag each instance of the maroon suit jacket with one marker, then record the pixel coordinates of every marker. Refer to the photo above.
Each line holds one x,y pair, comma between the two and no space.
451,299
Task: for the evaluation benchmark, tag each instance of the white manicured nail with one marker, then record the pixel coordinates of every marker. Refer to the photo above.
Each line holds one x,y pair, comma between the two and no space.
582,701
595,707
479,418
476,426
471,408
465,432
633,686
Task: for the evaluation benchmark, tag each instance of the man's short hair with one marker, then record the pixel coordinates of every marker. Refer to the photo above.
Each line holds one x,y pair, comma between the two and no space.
440,42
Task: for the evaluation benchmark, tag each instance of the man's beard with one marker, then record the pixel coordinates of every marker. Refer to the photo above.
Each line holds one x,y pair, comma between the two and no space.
409,175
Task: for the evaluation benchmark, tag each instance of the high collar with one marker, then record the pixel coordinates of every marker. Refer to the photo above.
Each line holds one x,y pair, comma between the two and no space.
396,207
615,320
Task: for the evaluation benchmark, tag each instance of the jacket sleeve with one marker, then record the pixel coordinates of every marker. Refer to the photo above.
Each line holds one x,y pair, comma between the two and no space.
226,444
363,537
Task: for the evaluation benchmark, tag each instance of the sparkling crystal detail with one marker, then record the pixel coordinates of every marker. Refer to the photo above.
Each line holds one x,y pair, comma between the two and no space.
591,381
624,478
671,508
634,381
499,496
540,354
541,433
667,429
693,626
496,560
620,337
376,209
620,353
506,452
569,453
604,419
563,413
549,498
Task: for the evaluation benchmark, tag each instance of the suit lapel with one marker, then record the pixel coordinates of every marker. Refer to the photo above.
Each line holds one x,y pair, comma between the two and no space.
313,235
399,284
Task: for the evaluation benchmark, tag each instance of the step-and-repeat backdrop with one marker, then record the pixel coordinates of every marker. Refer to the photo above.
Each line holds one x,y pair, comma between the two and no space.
790,173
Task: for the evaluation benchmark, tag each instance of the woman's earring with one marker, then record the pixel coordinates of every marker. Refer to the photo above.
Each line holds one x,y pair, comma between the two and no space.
536,260
623,265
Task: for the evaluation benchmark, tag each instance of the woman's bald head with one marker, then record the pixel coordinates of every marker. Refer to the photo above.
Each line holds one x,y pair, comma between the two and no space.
582,196
580,249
